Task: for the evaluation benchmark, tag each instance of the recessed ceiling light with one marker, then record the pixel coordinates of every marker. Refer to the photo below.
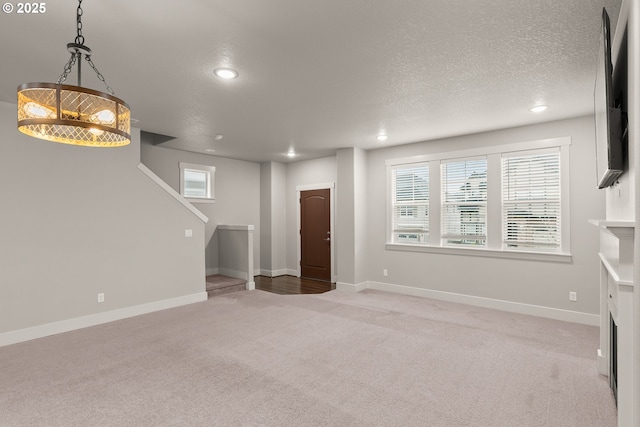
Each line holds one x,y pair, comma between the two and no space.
226,73
382,137
217,137
291,153
210,150
538,108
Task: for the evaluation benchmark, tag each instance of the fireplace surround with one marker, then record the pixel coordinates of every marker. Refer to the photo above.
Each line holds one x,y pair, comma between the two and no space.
616,353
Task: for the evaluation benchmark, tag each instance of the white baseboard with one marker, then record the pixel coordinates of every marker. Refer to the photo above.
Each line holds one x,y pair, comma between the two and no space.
510,306
40,331
603,364
291,272
211,271
351,287
279,272
251,285
274,273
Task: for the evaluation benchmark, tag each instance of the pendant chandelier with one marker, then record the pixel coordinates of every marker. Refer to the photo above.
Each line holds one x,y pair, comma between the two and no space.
72,114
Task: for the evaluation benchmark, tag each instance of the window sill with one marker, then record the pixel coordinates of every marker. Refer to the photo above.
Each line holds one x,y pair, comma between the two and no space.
192,200
491,253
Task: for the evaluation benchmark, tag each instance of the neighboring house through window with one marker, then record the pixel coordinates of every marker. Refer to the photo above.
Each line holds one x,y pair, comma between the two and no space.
508,200
410,204
464,202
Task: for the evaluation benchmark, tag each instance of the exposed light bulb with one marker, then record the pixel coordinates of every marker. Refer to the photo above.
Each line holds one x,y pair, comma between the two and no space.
37,111
96,132
291,153
104,117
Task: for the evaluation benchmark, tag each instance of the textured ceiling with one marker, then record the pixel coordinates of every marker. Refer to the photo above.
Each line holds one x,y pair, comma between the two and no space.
320,75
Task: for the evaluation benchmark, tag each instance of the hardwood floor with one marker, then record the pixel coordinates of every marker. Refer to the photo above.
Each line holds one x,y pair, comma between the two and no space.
291,285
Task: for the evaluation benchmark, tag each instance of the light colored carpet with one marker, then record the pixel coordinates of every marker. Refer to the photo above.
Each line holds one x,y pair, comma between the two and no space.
217,284
252,358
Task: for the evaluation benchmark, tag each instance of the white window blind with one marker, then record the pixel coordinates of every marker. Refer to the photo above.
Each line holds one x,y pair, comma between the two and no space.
464,202
196,182
531,201
410,204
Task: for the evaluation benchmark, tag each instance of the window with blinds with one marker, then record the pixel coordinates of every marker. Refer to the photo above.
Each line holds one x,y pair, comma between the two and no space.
531,200
464,202
410,204
509,200
197,182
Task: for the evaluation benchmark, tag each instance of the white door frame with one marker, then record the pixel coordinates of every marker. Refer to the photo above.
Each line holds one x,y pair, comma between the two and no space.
323,186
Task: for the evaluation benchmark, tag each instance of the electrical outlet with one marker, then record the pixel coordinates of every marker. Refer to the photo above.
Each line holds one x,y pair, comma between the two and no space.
385,273
188,233
100,297
573,296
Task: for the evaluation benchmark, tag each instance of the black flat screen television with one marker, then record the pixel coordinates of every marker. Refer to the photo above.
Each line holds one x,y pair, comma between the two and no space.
608,118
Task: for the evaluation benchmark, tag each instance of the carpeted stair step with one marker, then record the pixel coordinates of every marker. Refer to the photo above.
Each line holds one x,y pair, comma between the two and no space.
217,284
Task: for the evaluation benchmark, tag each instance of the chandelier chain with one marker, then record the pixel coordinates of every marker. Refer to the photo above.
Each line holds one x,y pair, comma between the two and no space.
78,54
67,68
100,76
79,37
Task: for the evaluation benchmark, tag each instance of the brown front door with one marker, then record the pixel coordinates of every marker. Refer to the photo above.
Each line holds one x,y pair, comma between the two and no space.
315,234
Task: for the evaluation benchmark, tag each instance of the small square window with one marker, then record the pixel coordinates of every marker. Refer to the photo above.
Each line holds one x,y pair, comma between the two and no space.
196,182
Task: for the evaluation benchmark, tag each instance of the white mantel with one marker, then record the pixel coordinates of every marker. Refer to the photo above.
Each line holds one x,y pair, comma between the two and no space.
616,300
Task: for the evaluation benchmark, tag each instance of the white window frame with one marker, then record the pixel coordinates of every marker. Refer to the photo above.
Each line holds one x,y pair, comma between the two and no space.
507,203
209,172
411,235
443,204
494,246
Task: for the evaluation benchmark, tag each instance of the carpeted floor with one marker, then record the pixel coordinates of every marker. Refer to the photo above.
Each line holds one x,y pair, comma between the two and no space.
253,358
217,284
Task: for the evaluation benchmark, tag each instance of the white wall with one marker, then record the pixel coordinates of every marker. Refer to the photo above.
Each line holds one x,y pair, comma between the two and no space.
78,221
237,191
309,172
265,218
529,282
623,201
351,222
345,234
634,151
278,219
236,256
361,215
273,178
